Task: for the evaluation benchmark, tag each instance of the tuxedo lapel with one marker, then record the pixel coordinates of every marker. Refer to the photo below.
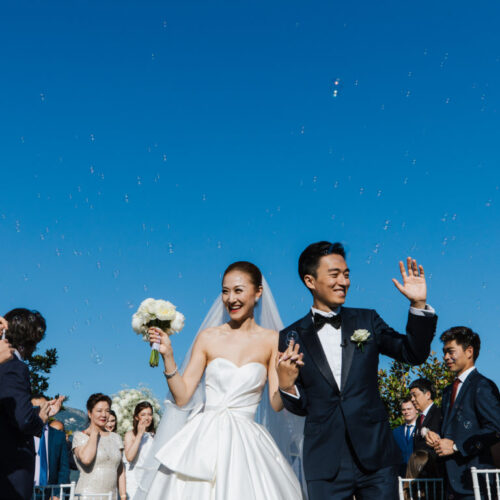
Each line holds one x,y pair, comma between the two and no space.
446,405
463,390
312,343
348,324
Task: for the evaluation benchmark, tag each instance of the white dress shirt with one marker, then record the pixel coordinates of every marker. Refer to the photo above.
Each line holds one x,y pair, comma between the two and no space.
37,456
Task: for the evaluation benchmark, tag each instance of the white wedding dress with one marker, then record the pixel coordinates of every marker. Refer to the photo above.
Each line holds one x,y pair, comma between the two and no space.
221,453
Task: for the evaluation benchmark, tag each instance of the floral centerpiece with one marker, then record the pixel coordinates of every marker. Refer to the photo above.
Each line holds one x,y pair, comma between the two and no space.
159,313
124,403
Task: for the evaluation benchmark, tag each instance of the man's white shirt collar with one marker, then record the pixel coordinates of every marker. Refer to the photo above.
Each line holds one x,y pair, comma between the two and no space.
465,374
427,409
329,314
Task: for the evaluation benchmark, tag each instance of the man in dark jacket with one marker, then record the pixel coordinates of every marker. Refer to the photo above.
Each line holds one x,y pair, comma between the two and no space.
471,415
19,420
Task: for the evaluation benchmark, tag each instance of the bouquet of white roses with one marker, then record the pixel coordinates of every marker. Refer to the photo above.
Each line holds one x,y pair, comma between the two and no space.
159,313
124,404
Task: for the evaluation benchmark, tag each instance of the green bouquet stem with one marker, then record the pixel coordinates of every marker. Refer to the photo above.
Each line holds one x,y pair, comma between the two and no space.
154,359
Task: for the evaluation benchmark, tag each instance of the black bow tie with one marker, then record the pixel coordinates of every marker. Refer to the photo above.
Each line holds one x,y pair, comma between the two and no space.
320,321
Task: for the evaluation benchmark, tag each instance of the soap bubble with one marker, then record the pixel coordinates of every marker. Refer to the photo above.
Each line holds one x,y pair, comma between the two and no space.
96,357
336,86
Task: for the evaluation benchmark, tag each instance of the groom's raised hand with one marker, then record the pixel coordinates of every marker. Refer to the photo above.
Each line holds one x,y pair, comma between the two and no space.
414,286
288,364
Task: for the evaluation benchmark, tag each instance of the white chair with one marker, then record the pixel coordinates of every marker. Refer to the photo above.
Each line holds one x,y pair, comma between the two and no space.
420,488
476,483
61,491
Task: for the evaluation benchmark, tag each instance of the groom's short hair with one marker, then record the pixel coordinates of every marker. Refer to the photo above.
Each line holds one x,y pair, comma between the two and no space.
310,257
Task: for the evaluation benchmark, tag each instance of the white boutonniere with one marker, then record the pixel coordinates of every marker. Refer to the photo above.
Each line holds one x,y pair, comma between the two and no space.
360,337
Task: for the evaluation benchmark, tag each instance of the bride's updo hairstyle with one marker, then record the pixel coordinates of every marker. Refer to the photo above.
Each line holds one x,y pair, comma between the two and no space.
248,268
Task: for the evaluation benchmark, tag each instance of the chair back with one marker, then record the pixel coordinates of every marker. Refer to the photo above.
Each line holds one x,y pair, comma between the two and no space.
61,491
413,489
485,482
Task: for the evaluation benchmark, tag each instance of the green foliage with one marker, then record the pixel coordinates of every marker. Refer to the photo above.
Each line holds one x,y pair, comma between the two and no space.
40,366
393,385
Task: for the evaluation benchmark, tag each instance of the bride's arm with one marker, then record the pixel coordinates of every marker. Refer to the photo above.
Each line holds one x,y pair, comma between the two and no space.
182,386
272,376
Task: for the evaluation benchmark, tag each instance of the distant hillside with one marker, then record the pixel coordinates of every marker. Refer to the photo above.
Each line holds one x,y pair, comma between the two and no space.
73,419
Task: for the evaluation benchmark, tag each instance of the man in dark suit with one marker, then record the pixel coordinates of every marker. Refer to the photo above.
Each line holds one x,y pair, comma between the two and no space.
348,444
54,467
422,395
404,433
471,415
19,420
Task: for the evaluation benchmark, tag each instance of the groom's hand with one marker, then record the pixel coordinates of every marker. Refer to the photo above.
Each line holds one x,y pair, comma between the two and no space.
288,364
414,286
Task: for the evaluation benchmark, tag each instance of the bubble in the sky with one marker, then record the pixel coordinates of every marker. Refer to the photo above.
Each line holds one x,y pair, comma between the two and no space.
66,288
145,287
410,74
447,100
302,130
405,180
95,356
42,236
379,193
92,170
369,259
387,224
444,217
408,93
444,242
219,244
179,275
18,226
139,182
376,249
382,107
356,83
488,203
484,284
58,252
164,157
443,61
77,384
315,179
454,217
336,185
203,197
116,273
126,198
336,85
425,52
92,137
153,56
98,264
170,248
164,25
414,161
42,97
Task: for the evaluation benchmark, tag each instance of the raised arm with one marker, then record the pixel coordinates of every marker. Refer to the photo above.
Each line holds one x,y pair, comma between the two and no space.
87,452
182,386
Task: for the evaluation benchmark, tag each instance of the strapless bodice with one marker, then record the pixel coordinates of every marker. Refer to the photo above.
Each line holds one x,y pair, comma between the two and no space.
234,388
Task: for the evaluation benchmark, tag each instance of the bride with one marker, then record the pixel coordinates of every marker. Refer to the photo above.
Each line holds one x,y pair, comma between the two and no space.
220,452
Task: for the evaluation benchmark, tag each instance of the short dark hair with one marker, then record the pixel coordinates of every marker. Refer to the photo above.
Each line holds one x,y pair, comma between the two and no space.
405,399
310,257
424,385
464,337
98,397
139,407
246,267
26,330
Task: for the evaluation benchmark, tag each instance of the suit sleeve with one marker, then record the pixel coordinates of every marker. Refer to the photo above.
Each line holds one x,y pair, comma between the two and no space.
487,406
412,348
63,475
295,405
15,400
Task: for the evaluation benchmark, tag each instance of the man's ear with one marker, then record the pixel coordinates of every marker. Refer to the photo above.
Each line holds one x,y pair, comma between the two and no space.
310,281
469,352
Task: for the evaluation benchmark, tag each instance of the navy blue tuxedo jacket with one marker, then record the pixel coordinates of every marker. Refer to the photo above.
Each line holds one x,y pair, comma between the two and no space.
474,426
355,407
58,457
19,422
405,445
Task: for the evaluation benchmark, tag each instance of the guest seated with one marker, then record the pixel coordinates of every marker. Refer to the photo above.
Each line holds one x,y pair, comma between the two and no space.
137,443
20,421
471,408
98,453
51,461
404,433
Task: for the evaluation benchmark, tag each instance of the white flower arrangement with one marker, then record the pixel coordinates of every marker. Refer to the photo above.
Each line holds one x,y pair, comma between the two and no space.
160,313
124,403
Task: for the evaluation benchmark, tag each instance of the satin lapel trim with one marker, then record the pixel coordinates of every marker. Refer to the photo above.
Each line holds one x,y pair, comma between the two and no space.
312,343
348,324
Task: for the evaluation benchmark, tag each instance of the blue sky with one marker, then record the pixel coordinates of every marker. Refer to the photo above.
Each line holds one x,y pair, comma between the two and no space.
147,145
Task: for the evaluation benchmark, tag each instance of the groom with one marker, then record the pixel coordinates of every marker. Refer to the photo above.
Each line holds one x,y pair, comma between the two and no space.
348,445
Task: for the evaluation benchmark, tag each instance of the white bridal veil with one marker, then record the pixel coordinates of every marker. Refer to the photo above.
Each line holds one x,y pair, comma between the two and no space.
286,428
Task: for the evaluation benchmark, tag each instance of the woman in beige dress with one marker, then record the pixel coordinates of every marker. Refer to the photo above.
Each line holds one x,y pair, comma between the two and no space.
98,453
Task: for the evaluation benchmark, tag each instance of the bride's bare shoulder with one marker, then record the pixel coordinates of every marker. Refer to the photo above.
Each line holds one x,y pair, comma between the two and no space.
210,333
270,335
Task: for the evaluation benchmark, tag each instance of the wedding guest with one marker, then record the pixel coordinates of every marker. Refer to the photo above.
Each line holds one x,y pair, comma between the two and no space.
98,452
51,460
404,433
471,423
422,396
20,421
137,443
6,350
112,423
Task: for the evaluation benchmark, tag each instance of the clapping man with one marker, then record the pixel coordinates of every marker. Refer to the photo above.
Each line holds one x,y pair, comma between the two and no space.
19,420
471,415
404,433
51,461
